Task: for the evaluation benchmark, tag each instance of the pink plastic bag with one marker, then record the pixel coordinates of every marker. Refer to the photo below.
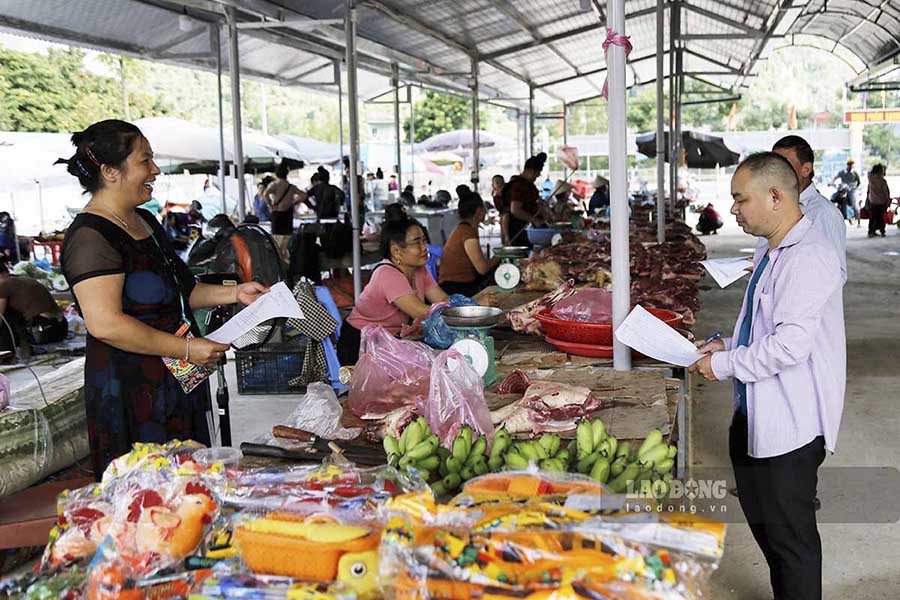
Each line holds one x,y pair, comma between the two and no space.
391,373
590,305
455,398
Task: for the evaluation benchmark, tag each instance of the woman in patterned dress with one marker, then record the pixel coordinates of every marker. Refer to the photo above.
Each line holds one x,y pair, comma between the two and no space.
134,294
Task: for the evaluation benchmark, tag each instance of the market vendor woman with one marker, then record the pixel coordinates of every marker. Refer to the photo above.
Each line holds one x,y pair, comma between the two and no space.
400,290
134,294
464,269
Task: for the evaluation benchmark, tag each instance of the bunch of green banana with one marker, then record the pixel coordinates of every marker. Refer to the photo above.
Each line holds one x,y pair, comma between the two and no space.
466,459
596,451
417,448
545,451
652,461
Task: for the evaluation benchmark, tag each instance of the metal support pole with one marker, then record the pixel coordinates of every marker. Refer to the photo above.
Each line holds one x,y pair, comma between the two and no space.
412,146
340,86
234,67
673,176
353,105
476,125
565,120
217,43
530,121
618,185
519,140
396,82
263,109
679,88
660,124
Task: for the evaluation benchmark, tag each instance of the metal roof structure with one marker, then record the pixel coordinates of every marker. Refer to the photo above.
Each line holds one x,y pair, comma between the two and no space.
552,46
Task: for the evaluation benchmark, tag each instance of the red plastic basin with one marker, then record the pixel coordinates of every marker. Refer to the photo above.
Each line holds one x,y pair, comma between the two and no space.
600,334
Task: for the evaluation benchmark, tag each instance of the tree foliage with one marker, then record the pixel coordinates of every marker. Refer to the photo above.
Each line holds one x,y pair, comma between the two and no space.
439,113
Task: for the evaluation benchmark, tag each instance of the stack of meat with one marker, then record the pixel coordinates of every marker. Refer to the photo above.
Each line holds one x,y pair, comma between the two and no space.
662,275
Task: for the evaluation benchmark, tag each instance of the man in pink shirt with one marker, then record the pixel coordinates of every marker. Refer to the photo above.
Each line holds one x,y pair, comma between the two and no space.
788,362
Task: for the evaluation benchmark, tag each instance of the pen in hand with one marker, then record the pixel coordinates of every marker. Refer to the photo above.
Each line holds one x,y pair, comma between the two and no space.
713,337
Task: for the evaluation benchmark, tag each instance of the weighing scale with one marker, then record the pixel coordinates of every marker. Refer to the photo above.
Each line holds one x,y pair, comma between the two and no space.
508,275
471,326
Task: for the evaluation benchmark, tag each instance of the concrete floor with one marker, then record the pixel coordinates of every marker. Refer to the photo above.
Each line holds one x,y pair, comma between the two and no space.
859,559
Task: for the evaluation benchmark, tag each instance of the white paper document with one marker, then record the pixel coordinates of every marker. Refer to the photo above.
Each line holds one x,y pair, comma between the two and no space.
651,337
278,302
727,270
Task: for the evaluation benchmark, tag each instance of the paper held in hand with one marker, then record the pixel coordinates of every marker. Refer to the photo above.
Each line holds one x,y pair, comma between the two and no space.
651,337
727,270
278,302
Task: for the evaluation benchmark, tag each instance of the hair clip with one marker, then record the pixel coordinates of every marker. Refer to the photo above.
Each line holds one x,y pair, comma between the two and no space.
80,166
90,155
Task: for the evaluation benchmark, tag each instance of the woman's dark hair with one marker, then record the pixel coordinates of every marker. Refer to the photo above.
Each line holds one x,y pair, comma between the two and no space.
536,162
324,175
462,191
282,170
395,232
103,143
394,212
879,169
469,205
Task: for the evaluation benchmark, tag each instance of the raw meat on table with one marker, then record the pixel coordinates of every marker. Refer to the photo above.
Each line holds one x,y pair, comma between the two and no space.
547,406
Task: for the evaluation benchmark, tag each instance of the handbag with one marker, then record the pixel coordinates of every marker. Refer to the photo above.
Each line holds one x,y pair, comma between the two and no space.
865,213
889,216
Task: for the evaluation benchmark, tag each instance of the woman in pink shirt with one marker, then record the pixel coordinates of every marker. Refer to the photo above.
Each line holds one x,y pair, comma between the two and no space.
401,288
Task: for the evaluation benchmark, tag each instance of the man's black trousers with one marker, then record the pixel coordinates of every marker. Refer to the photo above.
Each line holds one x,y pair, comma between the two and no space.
777,496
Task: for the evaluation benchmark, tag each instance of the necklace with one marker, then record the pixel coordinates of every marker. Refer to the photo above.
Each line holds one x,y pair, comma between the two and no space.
114,215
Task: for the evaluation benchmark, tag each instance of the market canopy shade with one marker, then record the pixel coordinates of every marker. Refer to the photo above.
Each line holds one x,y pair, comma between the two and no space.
701,150
179,141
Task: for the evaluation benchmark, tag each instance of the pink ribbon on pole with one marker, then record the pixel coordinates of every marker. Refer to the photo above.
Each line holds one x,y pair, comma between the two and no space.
613,38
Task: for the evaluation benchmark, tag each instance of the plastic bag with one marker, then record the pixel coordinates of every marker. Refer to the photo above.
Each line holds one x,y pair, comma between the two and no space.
319,412
456,398
590,305
391,373
437,333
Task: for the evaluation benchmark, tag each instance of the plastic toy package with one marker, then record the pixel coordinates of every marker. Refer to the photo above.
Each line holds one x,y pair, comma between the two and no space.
243,586
539,549
175,457
527,486
328,487
315,548
147,520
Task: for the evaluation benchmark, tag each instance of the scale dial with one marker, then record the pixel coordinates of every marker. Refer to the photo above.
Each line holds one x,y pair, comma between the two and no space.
475,353
507,276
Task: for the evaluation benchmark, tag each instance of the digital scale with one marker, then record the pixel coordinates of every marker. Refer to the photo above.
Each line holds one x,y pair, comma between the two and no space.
471,326
508,275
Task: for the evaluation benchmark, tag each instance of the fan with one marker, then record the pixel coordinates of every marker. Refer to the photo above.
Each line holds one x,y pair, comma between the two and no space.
250,252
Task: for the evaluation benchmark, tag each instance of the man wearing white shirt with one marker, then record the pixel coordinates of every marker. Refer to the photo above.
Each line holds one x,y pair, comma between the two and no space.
826,217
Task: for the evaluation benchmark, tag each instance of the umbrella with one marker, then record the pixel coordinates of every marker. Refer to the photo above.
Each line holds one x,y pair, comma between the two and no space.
702,151
461,139
28,158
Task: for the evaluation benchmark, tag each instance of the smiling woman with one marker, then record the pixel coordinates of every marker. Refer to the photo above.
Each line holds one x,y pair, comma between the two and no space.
136,297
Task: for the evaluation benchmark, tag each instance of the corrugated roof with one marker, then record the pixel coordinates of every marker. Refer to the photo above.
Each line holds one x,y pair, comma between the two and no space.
553,45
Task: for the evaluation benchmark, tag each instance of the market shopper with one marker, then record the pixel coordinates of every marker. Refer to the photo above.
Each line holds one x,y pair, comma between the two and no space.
524,201
400,290
878,200
850,178
826,217
134,294
282,196
788,362
710,221
464,269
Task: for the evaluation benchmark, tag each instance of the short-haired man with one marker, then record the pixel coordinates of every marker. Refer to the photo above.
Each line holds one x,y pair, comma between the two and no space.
788,362
824,214
497,183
